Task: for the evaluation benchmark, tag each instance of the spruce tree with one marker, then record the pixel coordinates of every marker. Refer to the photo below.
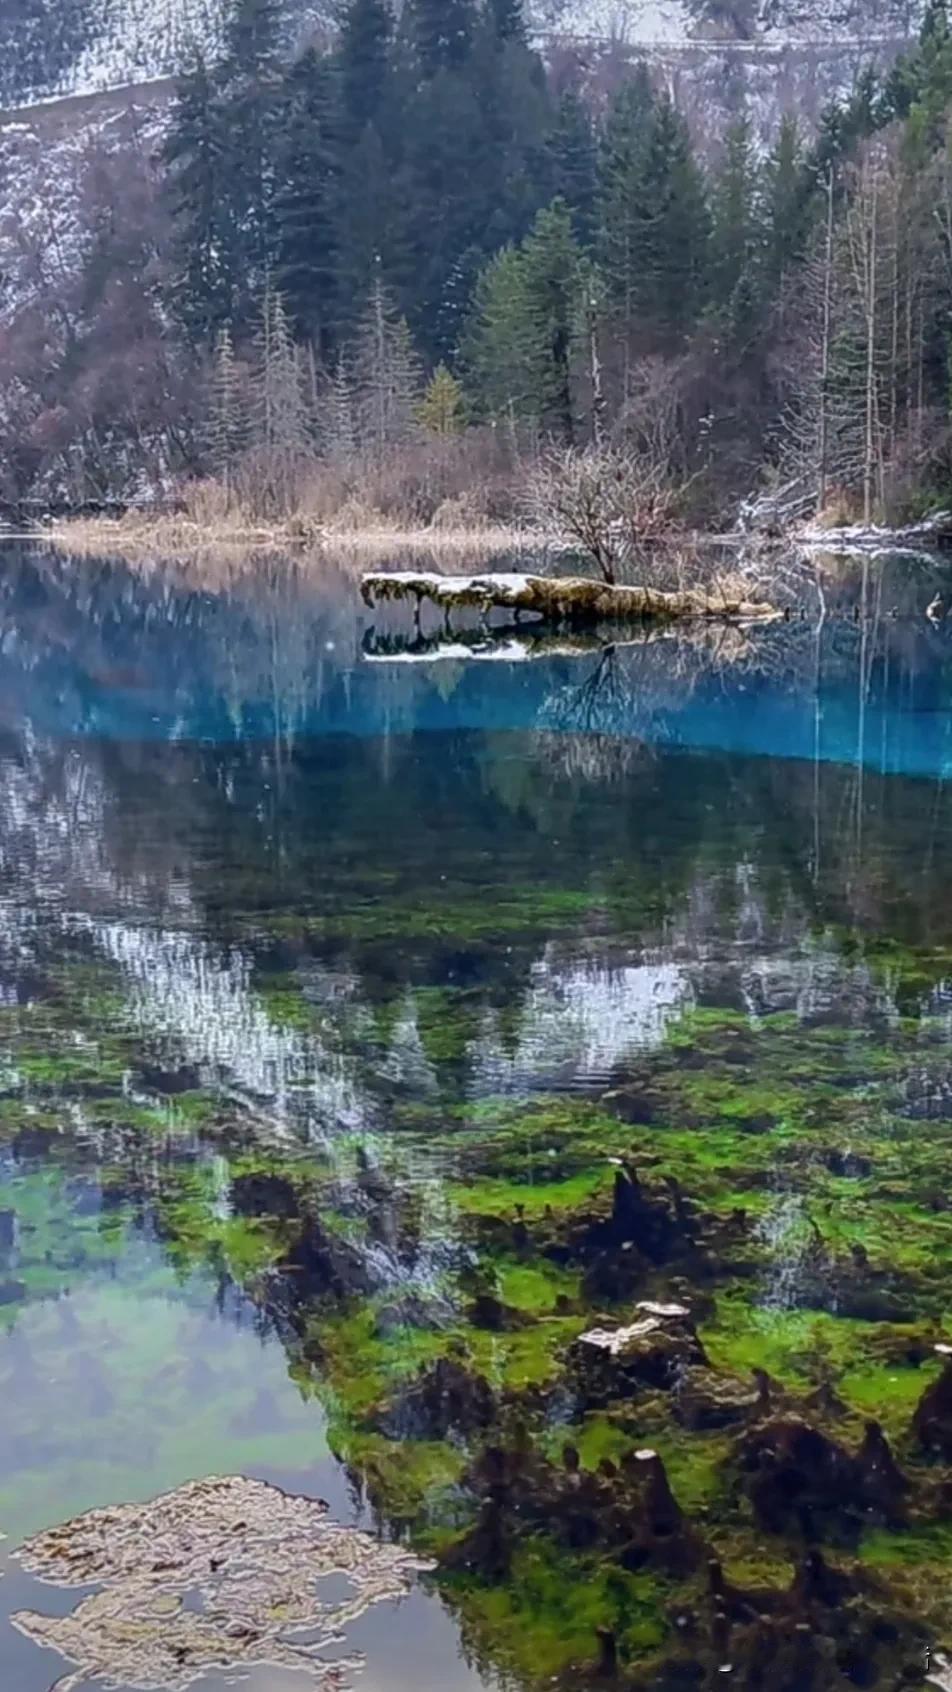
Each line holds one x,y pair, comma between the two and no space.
520,340
204,247
371,233
735,235
251,82
448,207
621,213
551,263
573,162
494,344
307,201
283,425
364,58
786,203
674,225
442,408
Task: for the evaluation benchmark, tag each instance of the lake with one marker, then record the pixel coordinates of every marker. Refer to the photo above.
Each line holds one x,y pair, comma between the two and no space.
500,1087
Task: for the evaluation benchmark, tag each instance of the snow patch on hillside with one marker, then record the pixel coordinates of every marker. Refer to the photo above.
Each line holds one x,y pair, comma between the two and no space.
768,24
138,40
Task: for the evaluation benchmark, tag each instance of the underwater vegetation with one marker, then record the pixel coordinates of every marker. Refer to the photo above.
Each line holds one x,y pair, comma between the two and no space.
575,1149
655,1376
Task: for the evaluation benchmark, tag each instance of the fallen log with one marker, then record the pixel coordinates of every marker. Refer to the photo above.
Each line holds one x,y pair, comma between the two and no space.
560,599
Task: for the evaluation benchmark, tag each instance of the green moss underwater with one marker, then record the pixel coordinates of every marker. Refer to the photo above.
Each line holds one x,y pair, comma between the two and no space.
649,1367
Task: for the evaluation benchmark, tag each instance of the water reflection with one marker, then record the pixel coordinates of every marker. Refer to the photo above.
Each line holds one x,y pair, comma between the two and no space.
374,1021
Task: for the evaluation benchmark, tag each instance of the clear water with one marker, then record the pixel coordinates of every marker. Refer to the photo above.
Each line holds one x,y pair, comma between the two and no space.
304,919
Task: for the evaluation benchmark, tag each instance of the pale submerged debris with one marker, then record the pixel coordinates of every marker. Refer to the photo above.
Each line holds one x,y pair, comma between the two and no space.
256,1556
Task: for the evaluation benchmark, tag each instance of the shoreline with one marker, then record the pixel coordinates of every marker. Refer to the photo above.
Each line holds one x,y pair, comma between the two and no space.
174,534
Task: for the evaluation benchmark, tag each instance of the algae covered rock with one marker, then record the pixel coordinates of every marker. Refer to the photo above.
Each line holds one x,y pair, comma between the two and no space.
256,1558
707,1399
801,1480
445,1397
653,1351
932,1420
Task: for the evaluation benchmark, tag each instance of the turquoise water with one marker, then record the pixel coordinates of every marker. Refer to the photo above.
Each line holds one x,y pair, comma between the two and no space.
341,970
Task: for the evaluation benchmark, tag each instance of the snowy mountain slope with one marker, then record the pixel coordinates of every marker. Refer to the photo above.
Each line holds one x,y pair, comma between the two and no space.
84,46
73,47
770,24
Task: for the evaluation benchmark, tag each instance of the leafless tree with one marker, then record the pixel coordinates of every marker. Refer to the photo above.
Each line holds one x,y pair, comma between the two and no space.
607,502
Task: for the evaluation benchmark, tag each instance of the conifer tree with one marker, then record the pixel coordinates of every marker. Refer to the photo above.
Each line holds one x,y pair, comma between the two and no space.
250,81
675,224
385,374
195,158
228,416
573,162
521,338
371,227
442,32
337,429
283,425
306,202
786,202
551,278
620,233
735,235
442,408
494,344
364,58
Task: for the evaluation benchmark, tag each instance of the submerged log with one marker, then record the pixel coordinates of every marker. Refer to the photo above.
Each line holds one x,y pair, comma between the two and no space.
563,599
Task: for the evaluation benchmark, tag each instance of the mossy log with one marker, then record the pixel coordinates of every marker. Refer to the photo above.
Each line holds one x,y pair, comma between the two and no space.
561,599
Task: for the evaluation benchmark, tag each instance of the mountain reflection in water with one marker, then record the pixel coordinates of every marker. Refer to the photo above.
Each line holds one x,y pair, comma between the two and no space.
377,1020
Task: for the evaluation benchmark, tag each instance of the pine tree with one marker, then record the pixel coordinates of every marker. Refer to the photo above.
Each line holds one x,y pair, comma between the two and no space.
203,282
306,203
442,408
364,58
573,163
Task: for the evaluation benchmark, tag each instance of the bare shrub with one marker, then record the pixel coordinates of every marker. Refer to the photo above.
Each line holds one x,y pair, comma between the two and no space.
206,502
609,502
458,511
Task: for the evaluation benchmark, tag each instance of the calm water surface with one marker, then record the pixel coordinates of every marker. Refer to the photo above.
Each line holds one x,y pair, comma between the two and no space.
379,1016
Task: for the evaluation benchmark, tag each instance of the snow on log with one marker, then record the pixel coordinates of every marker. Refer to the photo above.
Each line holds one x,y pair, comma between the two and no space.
563,599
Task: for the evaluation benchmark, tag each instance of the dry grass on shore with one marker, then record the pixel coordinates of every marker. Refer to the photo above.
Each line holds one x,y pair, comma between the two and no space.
135,535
